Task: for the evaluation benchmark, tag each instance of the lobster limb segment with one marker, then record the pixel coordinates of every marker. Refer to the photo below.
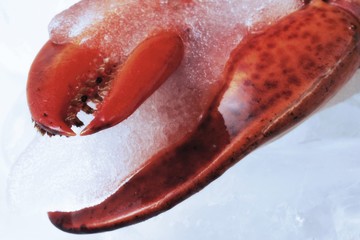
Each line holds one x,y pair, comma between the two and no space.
317,51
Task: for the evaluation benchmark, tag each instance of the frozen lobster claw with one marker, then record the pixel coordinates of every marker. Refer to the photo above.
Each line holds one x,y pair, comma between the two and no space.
272,80
63,78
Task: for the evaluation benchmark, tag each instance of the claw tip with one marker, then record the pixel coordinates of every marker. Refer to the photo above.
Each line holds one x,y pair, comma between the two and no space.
91,129
52,131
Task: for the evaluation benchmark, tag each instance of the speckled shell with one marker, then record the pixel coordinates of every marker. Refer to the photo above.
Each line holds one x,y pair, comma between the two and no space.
280,76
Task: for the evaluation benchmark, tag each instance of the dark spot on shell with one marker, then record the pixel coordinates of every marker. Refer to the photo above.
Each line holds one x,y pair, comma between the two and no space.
344,20
266,57
45,115
293,36
263,107
273,99
307,63
287,71
256,100
255,76
294,80
84,98
306,34
287,93
331,22
319,48
99,80
271,84
308,48
286,27
294,117
247,83
250,116
251,45
261,66
339,39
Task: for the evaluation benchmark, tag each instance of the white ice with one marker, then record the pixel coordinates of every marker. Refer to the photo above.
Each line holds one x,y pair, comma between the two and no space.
303,186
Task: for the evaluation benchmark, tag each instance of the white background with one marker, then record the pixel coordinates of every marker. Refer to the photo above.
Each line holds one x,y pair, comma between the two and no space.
303,186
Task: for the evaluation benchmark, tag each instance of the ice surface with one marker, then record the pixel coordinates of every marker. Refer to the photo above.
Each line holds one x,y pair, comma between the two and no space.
303,186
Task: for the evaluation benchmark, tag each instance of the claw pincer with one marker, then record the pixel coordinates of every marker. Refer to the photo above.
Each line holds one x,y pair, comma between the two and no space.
272,80
55,80
63,78
151,63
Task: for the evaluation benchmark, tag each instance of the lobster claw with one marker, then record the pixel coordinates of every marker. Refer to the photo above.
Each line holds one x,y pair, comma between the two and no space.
274,80
64,78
